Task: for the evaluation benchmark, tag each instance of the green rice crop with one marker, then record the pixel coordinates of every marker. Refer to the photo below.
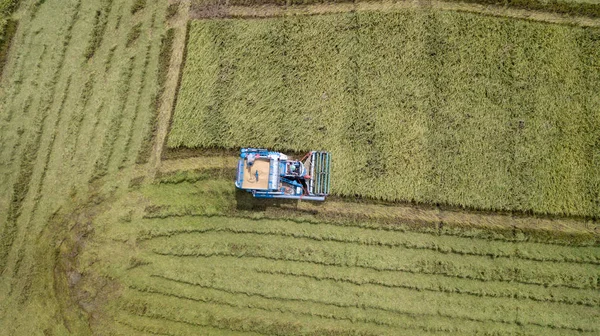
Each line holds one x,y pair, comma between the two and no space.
415,105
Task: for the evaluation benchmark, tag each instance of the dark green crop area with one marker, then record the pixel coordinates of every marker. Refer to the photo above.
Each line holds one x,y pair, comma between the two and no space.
416,105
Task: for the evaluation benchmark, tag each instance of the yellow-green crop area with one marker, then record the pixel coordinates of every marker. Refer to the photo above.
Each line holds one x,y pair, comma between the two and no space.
119,215
415,105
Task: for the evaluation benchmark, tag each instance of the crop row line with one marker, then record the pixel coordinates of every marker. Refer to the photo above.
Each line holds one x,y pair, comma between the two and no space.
141,86
429,263
208,300
251,306
400,224
18,148
110,136
14,88
359,241
144,329
438,289
193,324
28,156
361,306
338,264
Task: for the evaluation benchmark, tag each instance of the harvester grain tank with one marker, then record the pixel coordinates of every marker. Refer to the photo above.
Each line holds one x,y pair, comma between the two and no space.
269,174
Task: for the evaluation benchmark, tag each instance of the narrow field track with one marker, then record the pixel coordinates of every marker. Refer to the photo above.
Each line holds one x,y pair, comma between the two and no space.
265,11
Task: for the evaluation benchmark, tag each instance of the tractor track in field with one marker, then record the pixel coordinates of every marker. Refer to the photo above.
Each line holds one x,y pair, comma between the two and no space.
267,11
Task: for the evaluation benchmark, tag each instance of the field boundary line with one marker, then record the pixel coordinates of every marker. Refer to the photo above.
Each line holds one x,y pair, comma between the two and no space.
168,98
268,11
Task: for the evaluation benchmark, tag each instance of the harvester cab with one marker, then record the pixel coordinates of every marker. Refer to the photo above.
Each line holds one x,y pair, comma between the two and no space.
268,174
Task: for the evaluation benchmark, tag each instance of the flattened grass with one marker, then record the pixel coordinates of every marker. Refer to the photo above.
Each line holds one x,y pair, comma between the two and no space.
416,105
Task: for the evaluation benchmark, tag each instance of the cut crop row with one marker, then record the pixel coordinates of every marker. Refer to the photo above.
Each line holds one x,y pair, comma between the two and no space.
380,258
375,237
396,300
188,291
390,279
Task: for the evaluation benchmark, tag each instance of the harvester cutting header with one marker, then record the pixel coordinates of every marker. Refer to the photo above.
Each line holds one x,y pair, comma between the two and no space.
268,174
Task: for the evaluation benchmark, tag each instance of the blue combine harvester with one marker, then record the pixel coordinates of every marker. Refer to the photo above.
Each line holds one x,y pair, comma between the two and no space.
268,174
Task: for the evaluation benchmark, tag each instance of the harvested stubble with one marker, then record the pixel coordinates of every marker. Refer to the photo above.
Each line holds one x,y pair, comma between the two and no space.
287,277
416,105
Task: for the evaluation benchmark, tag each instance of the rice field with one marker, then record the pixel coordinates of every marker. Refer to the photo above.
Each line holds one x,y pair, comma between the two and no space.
234,265
101,235
415,105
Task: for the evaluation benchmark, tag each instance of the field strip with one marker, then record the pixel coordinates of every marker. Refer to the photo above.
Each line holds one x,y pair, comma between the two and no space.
433,323
389,279
324,311
22,184
419,266
429,269
130,126
31,215
391,304
264,11
39,168
276,305
374,237
168,98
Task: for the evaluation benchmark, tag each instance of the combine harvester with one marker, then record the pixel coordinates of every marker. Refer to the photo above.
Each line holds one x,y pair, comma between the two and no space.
268,174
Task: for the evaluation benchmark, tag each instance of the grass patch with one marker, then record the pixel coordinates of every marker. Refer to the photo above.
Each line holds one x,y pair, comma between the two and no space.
463,114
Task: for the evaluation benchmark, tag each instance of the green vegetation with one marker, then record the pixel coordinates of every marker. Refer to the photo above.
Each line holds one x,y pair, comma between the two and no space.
203,257
418,105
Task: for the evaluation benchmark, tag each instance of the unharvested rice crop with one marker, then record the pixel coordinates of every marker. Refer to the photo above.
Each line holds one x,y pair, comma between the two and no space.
415,105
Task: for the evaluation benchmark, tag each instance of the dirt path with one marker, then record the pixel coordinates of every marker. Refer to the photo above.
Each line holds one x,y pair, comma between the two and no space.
179,23
274,10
